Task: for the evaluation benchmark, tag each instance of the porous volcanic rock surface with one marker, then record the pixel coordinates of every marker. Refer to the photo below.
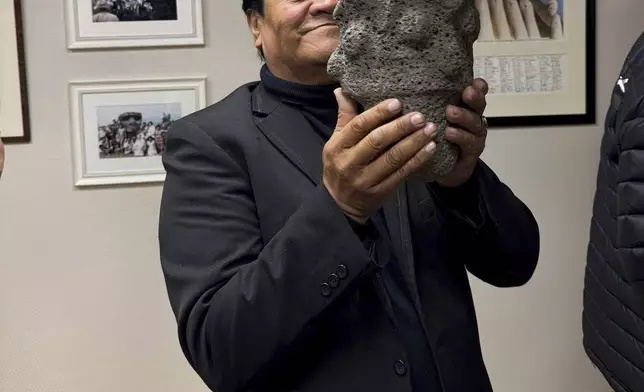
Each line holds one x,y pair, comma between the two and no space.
419,51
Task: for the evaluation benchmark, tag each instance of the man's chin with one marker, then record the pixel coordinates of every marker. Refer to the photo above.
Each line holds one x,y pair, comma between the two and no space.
322,61
324,38
318,67
325,53
321,55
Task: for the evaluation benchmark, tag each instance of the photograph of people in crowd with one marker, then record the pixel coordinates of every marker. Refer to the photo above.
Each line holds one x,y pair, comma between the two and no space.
134,131
133,10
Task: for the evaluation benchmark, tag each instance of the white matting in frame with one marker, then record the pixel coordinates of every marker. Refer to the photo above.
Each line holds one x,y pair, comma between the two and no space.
119,127
86,29
538,57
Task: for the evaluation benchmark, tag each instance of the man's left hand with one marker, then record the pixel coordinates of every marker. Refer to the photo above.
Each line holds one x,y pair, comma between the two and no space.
467,130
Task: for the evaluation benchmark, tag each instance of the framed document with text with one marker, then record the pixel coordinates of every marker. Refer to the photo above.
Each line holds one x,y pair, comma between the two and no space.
538,57
14,109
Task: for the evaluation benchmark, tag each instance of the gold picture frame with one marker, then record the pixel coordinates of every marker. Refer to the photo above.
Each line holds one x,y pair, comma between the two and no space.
14,104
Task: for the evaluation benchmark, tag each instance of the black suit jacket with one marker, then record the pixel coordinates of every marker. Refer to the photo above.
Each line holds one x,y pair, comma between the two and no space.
251,244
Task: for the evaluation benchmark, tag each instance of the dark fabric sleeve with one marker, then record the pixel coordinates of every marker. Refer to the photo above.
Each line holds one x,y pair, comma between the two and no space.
463,202
241,303
367,232
630,195
502,247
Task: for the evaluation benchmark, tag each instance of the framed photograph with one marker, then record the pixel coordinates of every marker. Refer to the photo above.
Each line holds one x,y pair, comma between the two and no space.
93,24
14,104
119,127
538,57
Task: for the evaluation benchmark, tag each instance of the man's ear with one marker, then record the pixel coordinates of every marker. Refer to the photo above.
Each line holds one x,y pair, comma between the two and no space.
255,22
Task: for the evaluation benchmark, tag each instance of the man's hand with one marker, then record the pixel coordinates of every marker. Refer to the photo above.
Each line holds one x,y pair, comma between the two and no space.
468,132
371,153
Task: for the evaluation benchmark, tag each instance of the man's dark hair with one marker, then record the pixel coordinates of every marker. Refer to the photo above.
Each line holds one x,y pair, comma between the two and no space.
253,6
256,6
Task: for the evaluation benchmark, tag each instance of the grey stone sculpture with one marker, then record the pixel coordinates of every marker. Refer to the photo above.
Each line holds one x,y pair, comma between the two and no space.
419,51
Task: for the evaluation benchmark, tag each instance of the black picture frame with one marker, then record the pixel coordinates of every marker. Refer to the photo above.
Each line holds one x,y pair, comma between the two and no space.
589,117
22,74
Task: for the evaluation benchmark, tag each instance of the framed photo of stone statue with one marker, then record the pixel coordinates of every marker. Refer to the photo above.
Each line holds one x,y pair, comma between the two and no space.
14,105
94,24
538,57
119,127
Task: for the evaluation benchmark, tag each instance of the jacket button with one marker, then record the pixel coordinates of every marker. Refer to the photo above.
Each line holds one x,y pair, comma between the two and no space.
400,367
325,289
334,280
342,271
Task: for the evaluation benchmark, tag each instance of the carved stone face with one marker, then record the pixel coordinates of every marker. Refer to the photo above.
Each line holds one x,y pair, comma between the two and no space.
419,51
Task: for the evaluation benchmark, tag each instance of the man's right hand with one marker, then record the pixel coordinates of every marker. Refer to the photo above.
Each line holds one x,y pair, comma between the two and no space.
371,153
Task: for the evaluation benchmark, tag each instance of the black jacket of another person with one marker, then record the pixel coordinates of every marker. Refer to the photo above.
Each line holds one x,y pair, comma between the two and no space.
275,290
613,321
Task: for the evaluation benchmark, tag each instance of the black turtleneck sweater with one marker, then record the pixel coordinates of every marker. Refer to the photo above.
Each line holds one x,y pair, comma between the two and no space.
317,102
319,106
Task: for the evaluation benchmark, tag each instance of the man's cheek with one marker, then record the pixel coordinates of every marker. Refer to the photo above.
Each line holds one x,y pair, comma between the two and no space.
294,15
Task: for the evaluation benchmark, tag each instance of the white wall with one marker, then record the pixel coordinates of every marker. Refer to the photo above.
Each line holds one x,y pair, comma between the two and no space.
82,301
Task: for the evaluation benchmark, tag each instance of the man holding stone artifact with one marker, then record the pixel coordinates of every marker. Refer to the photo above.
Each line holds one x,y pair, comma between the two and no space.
302,246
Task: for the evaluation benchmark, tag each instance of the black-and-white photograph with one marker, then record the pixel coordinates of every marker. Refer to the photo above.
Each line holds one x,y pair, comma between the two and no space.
133,10
109,24
520,20
120,127
134,131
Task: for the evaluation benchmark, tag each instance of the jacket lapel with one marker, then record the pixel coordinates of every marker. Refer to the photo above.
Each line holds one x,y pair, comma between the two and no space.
397,215
391,210
290,132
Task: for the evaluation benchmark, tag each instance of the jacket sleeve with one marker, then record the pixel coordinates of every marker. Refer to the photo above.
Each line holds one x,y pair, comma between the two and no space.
489,229
630,195
241,304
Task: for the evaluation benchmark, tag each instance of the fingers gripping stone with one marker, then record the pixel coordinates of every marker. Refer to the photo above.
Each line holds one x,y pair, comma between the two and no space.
419,51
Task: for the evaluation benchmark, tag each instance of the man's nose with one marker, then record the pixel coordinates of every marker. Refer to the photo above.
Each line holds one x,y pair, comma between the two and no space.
323,6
